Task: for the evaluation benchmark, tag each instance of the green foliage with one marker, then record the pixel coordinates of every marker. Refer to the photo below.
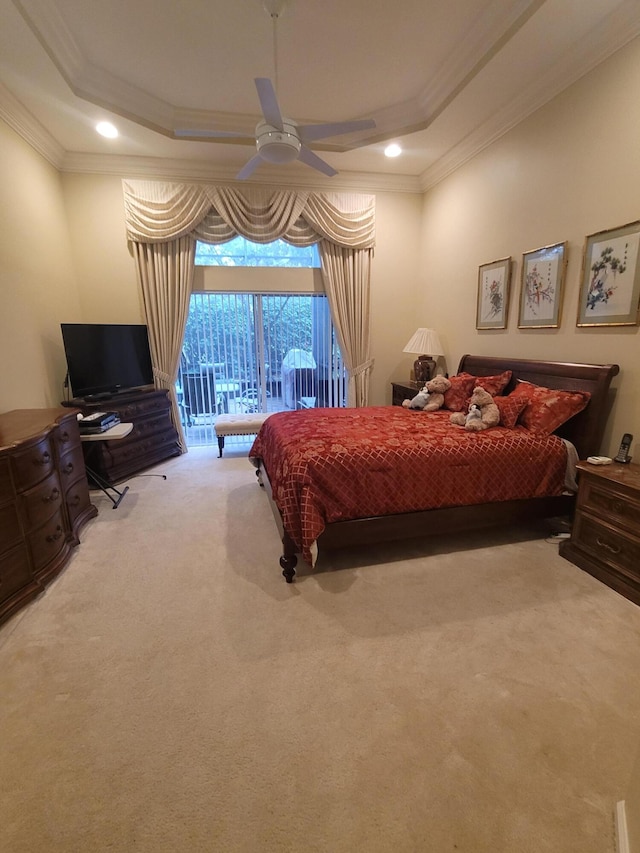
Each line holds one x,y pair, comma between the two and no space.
221,330
240,252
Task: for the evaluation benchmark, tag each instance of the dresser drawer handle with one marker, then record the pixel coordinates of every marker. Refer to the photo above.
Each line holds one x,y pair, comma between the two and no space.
53,496
74,500
52,537
613,549
64,436
68,468
617,506
44,460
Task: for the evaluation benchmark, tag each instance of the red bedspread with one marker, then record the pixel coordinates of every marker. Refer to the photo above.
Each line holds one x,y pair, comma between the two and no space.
329,465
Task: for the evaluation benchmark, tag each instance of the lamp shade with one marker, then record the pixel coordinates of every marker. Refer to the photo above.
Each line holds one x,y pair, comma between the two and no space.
424,342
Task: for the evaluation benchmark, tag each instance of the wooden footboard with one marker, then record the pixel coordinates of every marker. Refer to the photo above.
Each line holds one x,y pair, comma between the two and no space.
433,522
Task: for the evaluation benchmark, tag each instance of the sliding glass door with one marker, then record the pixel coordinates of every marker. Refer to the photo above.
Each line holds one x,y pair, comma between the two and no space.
252,352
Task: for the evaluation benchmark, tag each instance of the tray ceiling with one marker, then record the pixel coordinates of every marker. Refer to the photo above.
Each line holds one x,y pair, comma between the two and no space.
443,79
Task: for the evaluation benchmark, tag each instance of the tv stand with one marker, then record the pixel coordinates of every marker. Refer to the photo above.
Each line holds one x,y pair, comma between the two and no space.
153,438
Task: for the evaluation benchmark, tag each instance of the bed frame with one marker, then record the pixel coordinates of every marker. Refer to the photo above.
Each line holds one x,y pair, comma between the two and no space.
584,430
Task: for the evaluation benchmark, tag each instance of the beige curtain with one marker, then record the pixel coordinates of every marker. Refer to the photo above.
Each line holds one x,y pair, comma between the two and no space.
164,220
346,275
165,275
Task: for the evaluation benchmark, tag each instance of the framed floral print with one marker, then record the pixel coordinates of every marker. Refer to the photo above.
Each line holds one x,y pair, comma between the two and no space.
541,287
610,283
494,281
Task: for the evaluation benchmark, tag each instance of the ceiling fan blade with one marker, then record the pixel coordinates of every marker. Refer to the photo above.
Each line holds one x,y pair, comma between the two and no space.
269,102
309,132
186,133
307,156
249,168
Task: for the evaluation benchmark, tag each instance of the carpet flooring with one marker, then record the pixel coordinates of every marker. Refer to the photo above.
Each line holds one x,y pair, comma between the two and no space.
170,692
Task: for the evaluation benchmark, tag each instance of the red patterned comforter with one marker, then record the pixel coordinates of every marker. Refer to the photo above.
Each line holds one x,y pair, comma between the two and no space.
328,465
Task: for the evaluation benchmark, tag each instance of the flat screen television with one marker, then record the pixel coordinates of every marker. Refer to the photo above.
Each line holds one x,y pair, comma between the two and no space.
106,358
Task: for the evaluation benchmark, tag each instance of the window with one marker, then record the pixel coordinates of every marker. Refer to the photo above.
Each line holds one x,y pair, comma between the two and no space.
256,352
241,252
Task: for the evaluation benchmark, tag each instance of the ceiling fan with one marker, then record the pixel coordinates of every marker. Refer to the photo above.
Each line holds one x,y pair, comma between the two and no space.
279,139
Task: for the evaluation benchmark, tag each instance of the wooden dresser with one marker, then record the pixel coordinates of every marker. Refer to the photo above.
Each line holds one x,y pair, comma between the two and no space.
44,500
152,439
605,537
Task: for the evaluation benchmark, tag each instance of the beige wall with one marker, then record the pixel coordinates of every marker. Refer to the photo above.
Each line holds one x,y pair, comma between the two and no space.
571,169
395,290
106,271
38,286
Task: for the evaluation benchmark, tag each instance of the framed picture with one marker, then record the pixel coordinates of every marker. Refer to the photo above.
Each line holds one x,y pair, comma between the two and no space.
541,287
494,280
610,283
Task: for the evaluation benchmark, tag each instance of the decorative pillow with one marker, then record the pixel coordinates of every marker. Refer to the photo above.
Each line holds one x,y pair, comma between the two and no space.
510,409
548,408
495,384
456,398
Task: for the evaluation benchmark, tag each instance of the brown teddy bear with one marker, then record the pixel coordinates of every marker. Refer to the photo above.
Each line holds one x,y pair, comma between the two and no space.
489,412
431,398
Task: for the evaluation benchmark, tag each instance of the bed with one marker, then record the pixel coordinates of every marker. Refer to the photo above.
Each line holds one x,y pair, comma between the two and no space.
342,477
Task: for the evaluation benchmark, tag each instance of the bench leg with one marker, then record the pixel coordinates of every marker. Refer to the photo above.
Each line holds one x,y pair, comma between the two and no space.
220,445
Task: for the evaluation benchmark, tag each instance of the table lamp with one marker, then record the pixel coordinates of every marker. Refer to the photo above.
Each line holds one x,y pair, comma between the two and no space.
422,342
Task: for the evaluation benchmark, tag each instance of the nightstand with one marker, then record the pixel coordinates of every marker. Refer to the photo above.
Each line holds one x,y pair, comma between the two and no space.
403,391
605,537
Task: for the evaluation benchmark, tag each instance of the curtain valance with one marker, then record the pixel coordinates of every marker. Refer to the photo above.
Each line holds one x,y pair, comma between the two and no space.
157,212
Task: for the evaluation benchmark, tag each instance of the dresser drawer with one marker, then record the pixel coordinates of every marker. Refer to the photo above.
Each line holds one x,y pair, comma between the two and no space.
605,501
72,466
608,545
10,530
148,404
77,499
67,436
6,485
39,503
47,541
33,464
143,446
15,571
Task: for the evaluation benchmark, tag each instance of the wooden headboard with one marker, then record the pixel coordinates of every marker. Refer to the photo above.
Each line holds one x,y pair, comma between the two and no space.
584,430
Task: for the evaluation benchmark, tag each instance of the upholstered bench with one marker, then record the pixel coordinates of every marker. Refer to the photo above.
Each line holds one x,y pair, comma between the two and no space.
243,423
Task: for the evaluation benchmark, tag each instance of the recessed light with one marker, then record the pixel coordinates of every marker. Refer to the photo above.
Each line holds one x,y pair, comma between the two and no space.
392,150
105,128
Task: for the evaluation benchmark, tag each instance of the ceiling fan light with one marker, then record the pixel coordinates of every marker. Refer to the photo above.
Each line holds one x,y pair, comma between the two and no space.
277,146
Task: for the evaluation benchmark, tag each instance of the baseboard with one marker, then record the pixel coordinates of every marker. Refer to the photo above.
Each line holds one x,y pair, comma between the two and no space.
622,837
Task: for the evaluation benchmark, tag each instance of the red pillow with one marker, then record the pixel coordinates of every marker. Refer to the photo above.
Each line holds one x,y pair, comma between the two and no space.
456,398
495,384
548,408
510,408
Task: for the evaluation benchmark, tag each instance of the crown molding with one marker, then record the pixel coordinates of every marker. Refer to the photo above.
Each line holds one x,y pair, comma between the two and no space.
619,29
29,128
197,170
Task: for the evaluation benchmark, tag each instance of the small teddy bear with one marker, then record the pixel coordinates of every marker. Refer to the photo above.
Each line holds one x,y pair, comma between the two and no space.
489,412
431,397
